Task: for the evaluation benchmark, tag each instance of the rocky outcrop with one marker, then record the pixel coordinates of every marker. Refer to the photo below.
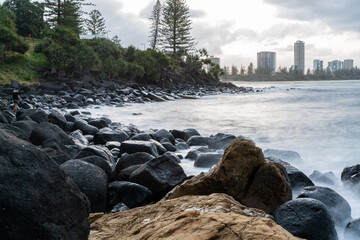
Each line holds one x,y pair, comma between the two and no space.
241,173
37,199
217,216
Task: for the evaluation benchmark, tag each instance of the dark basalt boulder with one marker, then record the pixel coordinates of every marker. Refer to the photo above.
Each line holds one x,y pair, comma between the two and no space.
131,194
338,207
99,123
207,160
132,159
100,162
159,175
180,134
164,134
172,156
181,146
96,150
45,131
306,218
106,134
37,115
120,207
27,126
58,156
159,147
37,199
289,156
134,146
14,131
298,179
57,118
69,150
141,137
169,147
327,178
3,118
352,230
91,180
124,175
85,127
77,134
221,141
351,175
198,141
193,154
9,115
191,132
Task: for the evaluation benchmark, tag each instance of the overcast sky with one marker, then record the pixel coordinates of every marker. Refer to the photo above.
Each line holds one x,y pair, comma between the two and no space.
235,30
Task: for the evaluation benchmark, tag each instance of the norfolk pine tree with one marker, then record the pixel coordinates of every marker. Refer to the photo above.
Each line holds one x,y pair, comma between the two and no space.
96,24
155,25
175,28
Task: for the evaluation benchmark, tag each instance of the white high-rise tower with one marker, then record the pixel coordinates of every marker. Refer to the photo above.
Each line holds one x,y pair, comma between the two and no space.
299,56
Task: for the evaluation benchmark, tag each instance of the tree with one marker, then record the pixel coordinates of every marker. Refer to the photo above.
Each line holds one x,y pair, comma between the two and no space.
9,40
96,24
155,25
29,16
116,40
242,70
250,69
234,70
175,28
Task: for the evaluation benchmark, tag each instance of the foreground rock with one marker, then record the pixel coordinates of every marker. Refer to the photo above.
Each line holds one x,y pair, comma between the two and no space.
352,230
37,200
306,218
217,216
243,174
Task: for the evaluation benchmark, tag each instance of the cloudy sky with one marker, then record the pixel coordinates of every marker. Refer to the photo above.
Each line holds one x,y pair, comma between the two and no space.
235,30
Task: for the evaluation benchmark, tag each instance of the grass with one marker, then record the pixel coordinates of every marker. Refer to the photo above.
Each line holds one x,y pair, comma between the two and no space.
21,68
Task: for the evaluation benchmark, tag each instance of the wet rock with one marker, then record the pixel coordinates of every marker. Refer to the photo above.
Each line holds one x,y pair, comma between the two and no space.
351,175
57,118
207,160
193,154
131,194
327,178
169,147
181,146
164,134
27,126
159,147
180,134
189,217
235,173
124,174
306,218
192,132
338,207
3,118
130,160
134,146
58,156
159,175
37,115
352,230
120,207
85,127
106,134
289,156
46,131
100,162
77,134
99,123
221,141
172,156
113,144
100,151
142,137
198,141
91,180
38,201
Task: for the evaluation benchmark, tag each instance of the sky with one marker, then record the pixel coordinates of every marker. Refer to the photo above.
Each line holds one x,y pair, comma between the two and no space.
235,30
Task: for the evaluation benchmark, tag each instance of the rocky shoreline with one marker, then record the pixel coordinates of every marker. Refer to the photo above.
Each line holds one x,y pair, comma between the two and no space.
59,167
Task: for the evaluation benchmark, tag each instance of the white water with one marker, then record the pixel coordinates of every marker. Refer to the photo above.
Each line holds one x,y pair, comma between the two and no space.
320,120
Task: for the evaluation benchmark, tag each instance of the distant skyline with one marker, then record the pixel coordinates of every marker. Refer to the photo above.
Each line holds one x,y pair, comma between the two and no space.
235,30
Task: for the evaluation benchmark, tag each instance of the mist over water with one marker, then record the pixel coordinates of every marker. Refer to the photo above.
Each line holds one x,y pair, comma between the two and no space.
319,120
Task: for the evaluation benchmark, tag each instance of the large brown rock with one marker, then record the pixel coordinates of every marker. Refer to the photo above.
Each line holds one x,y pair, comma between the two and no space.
217,216
244,174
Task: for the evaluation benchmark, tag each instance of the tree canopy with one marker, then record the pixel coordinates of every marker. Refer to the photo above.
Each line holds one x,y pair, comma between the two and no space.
155,25
96,23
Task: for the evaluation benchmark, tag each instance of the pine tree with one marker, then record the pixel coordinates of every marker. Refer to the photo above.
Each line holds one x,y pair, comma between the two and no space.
175,28
96,23
155,25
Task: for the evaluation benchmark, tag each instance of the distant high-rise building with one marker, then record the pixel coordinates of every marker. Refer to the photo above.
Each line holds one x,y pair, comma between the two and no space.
335,65
348,64
299,56
318,66
266,61
214,60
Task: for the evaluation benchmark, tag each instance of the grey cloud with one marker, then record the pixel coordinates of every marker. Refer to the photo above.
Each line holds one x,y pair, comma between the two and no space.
147,11
340,15
197,13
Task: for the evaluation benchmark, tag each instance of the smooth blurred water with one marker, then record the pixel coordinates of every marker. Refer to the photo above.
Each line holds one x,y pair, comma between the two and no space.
318,119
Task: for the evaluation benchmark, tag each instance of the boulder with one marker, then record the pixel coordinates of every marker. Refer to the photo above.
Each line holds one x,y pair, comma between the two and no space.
169,147
85,127
131,194
91,180
159,147
58,156
3,118
164,134
132,159
351,175
306,218
180,134
235,173
207,160
191,132
221,141
96,150
217,216
27,126
77,134
45,131
38,201
352,230
106,134
16,131
37,115
113,144
338,207
198,141
181,146
172,156
193,154
124,175
327,178
298,179
159,175
100,162
142,137
57,118
120,207
289,156
99,123
134,146
69,150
